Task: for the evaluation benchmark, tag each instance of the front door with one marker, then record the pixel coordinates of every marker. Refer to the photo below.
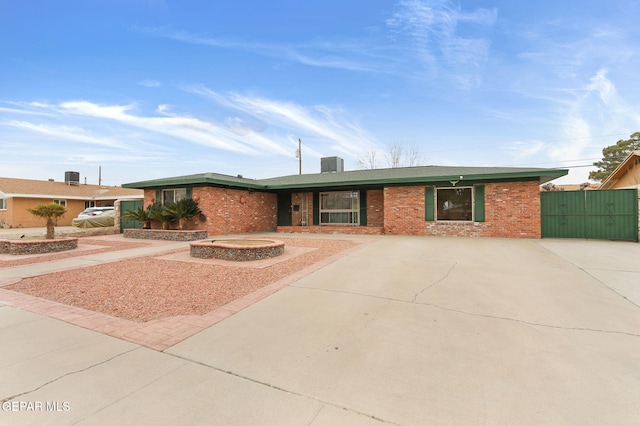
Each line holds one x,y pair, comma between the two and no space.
284,209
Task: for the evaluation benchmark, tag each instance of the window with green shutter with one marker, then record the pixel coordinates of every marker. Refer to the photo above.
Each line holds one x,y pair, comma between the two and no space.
460,204
429,203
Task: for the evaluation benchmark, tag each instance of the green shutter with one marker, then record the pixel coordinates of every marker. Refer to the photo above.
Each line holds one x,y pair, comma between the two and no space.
158,196
478,203
189,193
316,208
363,208
429,203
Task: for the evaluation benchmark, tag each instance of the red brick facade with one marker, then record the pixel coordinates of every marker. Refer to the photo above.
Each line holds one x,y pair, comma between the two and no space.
230,211
512,210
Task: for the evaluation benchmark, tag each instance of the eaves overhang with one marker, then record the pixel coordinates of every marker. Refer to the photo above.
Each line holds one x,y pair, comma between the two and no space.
541,176
207,179
354,179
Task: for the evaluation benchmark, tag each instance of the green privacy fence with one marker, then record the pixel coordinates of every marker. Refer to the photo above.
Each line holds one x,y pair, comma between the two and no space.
125,206
602,215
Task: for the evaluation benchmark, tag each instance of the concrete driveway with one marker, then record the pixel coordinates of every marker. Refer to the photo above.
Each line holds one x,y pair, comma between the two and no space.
406,330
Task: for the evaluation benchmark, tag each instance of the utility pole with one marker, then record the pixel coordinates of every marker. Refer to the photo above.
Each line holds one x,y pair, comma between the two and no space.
299,156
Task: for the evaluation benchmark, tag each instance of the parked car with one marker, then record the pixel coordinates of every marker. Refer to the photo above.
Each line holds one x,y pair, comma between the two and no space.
95,218
94,211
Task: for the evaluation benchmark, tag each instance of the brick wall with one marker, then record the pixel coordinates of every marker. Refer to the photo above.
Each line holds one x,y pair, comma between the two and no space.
375,207
230,211
404,210
512,210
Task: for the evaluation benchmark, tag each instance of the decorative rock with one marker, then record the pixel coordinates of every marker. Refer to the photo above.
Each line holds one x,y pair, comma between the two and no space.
37,246
166,235
237,250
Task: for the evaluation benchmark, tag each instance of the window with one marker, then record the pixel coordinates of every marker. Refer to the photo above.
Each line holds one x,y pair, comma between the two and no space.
170,196
454,204
3,203
340,208
61,202
89,204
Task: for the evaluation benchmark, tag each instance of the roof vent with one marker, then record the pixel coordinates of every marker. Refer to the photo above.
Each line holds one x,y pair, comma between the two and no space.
72,178
331,165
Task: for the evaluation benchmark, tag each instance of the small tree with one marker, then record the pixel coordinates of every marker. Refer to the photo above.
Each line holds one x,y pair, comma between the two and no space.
51,212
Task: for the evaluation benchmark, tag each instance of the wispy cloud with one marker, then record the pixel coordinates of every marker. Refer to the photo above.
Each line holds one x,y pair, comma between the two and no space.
596,109
69,133
330,126
346,55
247,125
434,32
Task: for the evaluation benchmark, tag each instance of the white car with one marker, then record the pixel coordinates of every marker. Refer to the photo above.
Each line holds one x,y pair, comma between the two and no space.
94,211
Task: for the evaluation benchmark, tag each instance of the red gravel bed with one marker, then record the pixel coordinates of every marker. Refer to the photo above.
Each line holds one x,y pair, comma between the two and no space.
147,288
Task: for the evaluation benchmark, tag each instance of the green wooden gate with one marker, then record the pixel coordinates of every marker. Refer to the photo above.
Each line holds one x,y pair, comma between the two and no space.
603,215
125,206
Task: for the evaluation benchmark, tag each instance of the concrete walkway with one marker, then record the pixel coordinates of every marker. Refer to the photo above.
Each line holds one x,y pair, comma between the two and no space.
405,331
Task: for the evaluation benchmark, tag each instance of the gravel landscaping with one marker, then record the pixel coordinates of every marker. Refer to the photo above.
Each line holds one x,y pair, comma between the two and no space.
147,288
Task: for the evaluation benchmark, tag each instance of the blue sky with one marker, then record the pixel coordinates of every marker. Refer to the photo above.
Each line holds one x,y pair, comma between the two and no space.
151,88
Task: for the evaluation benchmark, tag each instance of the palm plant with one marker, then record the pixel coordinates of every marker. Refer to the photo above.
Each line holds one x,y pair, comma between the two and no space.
183,210
159,213
140,214
51,212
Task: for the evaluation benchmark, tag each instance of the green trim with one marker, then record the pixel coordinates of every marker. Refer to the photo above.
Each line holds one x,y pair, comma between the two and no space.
429,203
316,208
427,175
363,208
478,203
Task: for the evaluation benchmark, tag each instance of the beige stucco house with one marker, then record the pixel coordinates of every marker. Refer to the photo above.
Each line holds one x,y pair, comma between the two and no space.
18,195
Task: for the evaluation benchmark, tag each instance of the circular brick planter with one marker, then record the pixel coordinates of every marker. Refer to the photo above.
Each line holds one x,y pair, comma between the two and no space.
237,250
37,246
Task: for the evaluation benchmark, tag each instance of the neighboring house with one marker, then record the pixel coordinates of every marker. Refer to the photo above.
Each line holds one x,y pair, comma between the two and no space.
626,175
18,195
428,200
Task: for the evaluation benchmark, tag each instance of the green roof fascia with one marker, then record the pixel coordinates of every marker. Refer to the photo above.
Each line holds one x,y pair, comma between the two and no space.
375,177
542,175
197,180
